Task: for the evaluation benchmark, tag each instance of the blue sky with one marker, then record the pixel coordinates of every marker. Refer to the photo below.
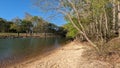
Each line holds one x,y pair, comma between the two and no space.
10,9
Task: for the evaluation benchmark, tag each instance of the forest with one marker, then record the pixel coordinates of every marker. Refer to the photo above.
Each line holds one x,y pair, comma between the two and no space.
30,24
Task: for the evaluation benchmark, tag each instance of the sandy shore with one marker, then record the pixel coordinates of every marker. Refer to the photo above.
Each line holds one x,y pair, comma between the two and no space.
69,56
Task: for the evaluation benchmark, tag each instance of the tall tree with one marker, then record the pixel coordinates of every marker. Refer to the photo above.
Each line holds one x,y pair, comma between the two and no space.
27,26
2,25
16,25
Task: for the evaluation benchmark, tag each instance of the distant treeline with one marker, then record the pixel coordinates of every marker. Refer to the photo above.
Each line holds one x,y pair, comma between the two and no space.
30,24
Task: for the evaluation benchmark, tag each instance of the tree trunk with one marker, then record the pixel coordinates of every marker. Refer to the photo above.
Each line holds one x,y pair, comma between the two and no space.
118,19
106,25
114,16
18,34
26,33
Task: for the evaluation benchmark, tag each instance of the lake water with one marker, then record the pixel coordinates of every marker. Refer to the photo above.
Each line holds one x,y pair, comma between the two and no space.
19,48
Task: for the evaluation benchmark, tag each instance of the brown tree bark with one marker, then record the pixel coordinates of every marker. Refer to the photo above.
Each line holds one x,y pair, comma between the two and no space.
119,18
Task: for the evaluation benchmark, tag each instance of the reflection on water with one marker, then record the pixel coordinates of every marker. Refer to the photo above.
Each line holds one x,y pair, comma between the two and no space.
22,47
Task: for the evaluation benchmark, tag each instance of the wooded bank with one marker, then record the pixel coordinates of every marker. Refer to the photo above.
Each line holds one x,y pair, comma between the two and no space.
24,35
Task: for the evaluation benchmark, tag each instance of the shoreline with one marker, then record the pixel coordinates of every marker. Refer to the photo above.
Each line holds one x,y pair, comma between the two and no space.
32,58
24,35
67,56
27,59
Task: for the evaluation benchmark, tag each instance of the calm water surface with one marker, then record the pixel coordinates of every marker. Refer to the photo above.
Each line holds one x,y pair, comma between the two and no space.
11,49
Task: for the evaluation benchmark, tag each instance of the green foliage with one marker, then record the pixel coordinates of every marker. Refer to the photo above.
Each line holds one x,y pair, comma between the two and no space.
15,27
2,25
26,25
72,32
